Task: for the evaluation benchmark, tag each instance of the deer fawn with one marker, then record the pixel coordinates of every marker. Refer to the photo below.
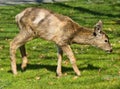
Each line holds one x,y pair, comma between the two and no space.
62,30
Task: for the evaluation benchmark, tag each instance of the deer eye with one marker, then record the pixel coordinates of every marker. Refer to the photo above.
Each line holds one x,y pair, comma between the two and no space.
106,40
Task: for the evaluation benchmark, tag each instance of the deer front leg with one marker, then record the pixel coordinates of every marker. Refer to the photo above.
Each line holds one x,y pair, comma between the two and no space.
59,68
70,55
24,57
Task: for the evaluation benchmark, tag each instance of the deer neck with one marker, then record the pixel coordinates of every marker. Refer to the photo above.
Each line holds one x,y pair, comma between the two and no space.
84,36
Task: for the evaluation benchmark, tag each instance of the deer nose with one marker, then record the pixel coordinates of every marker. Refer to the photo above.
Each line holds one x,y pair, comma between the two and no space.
111,50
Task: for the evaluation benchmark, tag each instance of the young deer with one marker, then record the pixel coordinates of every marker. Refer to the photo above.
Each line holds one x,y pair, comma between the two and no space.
63,31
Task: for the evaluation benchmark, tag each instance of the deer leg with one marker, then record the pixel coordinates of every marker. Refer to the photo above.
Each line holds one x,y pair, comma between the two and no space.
13,48
70,55
18,41
60,54
24,57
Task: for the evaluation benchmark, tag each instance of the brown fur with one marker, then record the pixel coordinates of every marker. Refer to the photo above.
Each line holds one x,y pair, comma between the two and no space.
63,31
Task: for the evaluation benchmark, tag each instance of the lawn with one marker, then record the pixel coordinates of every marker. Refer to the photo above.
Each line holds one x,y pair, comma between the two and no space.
99,69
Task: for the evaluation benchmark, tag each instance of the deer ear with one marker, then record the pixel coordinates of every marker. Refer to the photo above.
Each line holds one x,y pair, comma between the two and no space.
98,28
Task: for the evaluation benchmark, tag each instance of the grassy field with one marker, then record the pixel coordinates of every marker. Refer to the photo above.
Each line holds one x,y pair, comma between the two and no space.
99,69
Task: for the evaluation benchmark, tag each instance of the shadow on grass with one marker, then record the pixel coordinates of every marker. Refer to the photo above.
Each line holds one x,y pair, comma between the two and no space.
81,9
52,68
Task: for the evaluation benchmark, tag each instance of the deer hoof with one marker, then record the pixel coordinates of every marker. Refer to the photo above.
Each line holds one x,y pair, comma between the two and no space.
59,75
79,74
23,68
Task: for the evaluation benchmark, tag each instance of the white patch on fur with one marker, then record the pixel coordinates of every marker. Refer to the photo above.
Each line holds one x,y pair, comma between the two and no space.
40,17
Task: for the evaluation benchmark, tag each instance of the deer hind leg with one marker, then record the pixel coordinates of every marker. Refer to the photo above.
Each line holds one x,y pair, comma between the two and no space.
59,69
18,41
24,57
70,55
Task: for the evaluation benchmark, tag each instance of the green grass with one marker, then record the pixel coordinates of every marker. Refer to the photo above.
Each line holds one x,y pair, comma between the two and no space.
99,69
